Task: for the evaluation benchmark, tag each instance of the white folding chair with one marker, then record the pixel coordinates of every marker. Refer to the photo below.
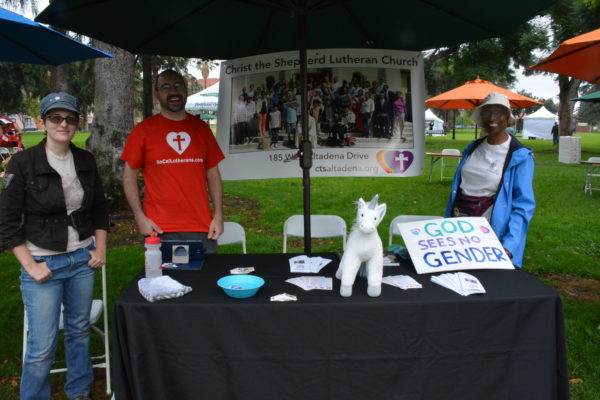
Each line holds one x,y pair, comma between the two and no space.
233,233
4,153
99,308
593,172
449,162
405,218
321,226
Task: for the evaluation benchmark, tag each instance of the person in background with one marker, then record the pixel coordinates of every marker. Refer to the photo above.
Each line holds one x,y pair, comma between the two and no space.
555,135
262,106
316,112
367,108
312,132
399,112
53,215
251,117
274,125
240,126
327,119
495,178
381,124
291,117
178,157
357,100
345,124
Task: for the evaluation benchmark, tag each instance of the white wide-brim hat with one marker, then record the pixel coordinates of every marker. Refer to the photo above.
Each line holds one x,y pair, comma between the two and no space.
493,98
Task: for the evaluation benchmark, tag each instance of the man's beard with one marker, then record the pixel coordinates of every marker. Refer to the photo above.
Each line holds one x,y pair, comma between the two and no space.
174,107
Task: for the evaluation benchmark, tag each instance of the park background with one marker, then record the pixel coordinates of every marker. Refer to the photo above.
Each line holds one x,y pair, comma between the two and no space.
563,245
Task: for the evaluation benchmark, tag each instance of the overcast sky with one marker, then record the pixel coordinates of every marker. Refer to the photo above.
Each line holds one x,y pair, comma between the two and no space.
539,85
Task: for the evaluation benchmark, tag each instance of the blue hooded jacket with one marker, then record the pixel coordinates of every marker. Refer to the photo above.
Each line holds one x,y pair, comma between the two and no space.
514,204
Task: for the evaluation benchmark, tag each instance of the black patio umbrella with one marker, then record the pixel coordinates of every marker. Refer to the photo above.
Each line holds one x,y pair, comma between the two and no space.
242,28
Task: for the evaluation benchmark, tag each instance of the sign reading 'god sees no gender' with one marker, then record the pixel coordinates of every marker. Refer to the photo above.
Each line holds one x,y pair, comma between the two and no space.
453,244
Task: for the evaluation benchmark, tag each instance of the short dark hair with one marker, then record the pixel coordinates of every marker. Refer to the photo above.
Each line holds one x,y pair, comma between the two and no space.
165,72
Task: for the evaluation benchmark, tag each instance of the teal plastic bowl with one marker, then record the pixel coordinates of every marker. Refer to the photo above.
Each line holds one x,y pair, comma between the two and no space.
240,286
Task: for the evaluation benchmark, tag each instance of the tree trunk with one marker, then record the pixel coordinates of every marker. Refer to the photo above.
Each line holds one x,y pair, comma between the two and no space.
569,88
113,117
147,93
205,70
59,75
156,107
59,78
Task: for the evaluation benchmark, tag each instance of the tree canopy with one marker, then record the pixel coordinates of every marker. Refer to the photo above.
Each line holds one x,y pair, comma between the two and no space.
19,84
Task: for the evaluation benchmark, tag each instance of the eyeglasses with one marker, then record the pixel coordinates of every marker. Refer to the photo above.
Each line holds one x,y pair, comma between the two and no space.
167,87
495,113
57,119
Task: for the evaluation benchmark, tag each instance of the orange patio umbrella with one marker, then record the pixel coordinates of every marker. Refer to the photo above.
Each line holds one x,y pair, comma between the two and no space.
472,94
578,57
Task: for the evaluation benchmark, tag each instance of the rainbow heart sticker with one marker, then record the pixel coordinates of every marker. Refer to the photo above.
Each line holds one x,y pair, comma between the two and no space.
484,229
395,161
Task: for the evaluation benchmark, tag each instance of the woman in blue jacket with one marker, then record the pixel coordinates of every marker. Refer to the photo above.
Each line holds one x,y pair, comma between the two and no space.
495,178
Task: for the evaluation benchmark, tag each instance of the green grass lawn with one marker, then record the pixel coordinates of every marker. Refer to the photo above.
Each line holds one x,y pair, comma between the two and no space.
564,238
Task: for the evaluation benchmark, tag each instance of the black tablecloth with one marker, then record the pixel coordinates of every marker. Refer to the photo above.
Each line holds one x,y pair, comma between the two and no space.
428,343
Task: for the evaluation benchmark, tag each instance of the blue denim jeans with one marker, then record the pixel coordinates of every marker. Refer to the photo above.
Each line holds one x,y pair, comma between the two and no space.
72,285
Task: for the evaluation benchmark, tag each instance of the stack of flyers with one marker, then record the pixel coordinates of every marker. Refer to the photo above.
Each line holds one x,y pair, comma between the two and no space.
305,264
461,282
284,297
241,270
312,282
402,281
390,260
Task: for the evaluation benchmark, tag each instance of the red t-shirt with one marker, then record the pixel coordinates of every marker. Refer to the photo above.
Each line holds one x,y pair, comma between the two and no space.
174,157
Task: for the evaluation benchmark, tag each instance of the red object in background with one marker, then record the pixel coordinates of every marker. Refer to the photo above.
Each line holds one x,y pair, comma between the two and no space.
10,136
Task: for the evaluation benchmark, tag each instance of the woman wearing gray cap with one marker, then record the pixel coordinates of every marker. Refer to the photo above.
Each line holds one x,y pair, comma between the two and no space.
53,215
495,178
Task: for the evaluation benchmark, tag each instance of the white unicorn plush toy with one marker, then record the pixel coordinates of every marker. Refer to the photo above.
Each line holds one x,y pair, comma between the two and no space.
363,245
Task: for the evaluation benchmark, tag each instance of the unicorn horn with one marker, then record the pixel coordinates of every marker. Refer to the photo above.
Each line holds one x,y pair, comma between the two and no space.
373,202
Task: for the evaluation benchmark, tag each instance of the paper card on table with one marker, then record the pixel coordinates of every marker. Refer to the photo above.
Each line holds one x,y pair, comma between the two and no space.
300,264
241,270
318,263
312,282
469,284
390,260
460,282
453,244
402,281
304,264
284,297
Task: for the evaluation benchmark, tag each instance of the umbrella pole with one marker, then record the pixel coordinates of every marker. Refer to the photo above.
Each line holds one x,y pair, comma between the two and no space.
305,147
453,124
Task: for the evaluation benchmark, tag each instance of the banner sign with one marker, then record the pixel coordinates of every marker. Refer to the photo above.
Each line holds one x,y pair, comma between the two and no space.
366,114
453,244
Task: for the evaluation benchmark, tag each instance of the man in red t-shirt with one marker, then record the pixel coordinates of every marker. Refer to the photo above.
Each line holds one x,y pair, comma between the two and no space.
178,157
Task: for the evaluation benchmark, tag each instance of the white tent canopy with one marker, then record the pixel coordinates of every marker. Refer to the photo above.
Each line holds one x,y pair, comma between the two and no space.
205,100
539,124
438,124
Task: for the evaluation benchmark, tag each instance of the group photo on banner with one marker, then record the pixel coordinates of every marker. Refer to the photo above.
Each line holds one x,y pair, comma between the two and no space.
361,113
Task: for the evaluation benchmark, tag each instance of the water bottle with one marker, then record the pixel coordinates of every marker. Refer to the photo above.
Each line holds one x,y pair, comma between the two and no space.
153,256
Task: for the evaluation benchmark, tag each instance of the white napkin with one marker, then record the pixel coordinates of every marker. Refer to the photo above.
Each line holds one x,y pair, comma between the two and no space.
162,287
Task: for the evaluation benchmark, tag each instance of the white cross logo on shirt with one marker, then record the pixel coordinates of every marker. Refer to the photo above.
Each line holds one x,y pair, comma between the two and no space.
179,141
